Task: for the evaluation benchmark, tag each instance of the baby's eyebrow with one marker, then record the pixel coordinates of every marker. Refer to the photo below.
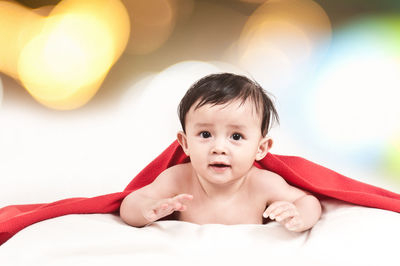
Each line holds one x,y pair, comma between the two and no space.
232,126
239,127
203,125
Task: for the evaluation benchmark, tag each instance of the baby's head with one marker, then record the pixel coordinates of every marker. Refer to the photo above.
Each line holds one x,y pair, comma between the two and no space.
225,120
220,89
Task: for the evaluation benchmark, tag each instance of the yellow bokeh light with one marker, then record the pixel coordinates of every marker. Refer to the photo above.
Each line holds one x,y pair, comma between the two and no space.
304,14
152,23
110,15
274,63
62,59
18,25
281,38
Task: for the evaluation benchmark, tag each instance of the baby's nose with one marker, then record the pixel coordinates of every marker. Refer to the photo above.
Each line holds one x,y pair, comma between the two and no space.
219,147
218,151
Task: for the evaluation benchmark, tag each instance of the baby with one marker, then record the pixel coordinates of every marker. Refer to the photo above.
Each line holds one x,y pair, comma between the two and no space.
225,120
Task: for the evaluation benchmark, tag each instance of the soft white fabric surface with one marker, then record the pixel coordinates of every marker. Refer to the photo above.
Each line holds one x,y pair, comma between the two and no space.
346,235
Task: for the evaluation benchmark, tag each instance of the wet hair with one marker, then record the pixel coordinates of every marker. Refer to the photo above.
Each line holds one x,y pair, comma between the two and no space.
217,89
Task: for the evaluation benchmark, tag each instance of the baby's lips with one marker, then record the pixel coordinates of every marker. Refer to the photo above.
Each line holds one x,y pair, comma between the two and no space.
220,164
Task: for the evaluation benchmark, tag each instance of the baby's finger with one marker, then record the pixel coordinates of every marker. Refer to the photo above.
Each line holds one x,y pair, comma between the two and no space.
294,224
177,206
285,222
280,209
289,213
156,213
183,197
182,207
163,208
179,200
272,207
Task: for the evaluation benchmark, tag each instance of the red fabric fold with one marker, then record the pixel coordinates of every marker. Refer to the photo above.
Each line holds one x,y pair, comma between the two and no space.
295,170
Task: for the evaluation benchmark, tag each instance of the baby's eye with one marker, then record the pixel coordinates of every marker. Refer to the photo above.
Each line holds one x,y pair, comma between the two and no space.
205,134
237,136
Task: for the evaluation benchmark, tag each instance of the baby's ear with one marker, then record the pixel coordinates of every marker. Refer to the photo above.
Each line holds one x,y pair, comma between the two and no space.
181,137
263,148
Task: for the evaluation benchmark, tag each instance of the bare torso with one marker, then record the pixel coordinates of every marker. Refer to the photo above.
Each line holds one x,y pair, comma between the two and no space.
180,193
246,206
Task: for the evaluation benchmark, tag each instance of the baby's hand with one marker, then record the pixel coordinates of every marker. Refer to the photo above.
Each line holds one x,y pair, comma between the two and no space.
286,214
164,207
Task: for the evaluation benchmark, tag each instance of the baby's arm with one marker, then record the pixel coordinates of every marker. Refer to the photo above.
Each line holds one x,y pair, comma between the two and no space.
154,201
293,208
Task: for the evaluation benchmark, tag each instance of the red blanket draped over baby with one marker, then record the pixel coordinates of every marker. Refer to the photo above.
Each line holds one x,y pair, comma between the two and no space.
295,170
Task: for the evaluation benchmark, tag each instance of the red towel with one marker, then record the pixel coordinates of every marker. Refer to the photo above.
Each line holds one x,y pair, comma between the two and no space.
295,170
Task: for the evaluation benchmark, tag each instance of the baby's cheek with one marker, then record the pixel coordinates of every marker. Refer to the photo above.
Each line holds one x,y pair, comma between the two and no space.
197,156
243,165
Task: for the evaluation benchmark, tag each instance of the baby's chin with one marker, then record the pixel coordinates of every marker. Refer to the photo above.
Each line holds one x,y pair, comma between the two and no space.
220,177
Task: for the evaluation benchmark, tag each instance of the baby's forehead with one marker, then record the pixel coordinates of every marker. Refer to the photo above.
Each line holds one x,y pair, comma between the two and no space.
236,103
236,109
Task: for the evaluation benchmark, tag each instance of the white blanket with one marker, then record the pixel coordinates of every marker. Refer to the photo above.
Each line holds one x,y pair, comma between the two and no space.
345,235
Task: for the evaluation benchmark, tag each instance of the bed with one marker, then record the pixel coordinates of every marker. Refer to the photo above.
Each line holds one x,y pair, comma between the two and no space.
345,235
48,155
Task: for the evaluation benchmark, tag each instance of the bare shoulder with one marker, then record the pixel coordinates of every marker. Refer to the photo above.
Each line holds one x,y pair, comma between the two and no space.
175,175
274,186
178,170
265,179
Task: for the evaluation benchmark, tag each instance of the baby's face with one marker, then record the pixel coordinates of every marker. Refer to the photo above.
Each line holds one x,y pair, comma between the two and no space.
223,140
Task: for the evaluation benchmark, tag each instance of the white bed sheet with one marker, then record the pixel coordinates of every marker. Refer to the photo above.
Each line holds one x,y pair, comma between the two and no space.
345,235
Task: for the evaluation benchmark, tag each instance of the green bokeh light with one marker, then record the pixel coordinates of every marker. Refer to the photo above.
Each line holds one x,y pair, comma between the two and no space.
391,160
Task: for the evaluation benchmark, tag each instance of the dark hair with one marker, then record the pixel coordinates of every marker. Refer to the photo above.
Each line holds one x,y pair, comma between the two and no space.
222,88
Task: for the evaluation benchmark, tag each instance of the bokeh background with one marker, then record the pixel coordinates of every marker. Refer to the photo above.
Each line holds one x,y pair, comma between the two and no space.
333,68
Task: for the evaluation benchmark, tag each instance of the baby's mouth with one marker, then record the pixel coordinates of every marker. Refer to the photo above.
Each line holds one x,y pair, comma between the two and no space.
220,166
